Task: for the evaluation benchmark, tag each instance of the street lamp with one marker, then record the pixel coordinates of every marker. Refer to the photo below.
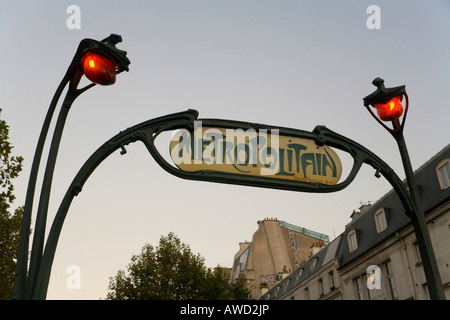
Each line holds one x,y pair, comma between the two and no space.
99,61
388,103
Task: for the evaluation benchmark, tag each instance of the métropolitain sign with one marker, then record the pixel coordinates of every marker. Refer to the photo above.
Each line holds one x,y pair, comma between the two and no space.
254,152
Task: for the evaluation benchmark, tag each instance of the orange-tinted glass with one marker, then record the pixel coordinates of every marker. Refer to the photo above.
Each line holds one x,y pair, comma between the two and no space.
99,69
391,110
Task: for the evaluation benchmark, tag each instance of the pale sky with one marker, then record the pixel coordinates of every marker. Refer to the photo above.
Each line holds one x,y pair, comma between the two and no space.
293,64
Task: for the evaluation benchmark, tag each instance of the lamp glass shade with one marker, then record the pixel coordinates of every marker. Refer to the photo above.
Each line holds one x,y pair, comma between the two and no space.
391,110
99,69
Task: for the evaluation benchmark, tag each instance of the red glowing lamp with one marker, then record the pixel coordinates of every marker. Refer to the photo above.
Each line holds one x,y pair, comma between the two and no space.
391,110
99,69
388,103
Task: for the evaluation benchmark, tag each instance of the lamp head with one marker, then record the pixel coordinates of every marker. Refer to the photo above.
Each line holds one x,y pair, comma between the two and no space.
388,104
99,69
99,61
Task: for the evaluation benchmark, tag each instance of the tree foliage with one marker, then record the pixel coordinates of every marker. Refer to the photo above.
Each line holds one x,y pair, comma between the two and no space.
169,272
10,167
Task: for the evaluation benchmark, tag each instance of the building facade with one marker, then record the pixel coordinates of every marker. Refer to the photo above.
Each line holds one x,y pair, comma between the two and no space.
377,257
277,248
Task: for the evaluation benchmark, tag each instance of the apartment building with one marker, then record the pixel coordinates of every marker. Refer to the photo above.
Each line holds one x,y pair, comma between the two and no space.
377,257
277,248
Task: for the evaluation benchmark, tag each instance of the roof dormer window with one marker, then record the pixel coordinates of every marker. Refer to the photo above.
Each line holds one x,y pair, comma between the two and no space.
352,241
443,173
380,220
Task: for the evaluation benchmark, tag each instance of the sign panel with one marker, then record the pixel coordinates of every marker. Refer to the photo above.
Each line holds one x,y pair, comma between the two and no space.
254,152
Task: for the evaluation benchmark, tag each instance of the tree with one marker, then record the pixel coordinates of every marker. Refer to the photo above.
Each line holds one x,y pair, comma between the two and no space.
239,289
10,167
168,272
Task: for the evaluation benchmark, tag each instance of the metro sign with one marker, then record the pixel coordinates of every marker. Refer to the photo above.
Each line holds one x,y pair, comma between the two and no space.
255,153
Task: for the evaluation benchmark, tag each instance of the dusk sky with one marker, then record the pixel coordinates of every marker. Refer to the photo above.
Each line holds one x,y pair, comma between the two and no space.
294,64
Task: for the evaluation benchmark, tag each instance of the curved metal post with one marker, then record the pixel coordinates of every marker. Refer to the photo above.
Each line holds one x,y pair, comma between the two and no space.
139,132
41,217
22,255
381,96
24,285
429,262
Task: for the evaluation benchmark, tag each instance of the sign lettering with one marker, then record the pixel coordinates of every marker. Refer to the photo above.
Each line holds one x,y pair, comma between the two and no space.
256,153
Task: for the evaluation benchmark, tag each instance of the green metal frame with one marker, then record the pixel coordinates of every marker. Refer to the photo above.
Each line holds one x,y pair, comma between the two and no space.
148,131
430,267
32,282
26,276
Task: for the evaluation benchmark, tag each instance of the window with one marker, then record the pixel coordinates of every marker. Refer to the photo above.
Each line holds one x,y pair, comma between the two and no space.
352,241
286,282
427,292
380,220
417,252
373,294
321,287
312,265
306,293
275,291
331,277
358,289
443,173
391,281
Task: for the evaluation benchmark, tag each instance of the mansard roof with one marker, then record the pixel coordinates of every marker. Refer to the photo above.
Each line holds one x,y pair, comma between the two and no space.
431,196
305,271
368,238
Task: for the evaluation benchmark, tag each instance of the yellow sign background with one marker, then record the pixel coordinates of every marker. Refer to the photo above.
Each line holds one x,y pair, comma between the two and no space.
255,153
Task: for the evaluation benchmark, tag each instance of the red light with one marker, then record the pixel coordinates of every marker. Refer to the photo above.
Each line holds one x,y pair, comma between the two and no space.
391,110
99,69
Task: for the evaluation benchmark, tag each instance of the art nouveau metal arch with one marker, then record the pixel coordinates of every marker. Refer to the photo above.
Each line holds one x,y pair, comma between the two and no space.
148,131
